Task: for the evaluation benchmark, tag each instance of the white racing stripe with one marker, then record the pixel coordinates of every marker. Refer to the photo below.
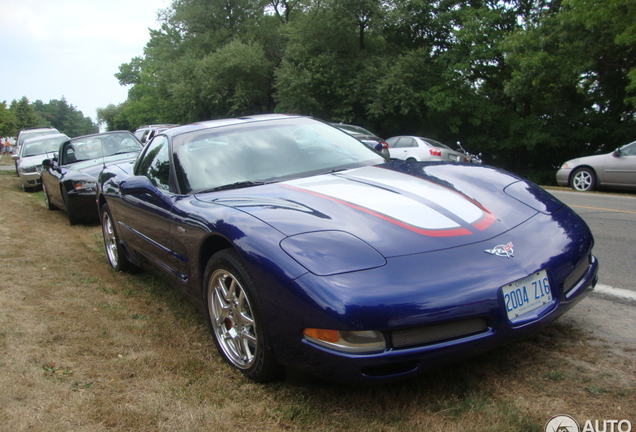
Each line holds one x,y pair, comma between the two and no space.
386,198
615,292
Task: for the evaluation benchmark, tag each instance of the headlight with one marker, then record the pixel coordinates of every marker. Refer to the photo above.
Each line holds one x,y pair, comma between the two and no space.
564,166
327,253
28,169
364,341
85,185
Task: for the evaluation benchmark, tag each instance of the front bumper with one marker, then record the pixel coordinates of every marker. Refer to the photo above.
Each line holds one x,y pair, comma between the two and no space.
432,292
30,180
84,205
563,176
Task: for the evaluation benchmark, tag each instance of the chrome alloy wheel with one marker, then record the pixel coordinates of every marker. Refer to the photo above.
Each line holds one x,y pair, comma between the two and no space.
583,180
110,240
232,319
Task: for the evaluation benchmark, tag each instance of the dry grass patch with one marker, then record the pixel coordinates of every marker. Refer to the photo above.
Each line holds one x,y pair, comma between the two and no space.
83,348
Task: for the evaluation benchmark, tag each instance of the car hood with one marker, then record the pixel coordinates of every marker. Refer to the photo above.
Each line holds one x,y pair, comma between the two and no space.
32,160
594,160
93,167
397,208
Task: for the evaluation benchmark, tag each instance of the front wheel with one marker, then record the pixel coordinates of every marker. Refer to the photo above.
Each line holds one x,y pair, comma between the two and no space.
116,256
234,318
583,180
47,199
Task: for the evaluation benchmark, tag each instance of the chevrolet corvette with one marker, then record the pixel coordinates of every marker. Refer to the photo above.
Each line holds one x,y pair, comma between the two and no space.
309,252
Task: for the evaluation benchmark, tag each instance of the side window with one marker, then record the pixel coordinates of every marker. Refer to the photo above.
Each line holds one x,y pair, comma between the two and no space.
406,142
392,142
629,150
155,163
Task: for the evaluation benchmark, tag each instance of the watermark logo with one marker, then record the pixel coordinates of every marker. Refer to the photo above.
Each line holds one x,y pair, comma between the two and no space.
566,423
562,423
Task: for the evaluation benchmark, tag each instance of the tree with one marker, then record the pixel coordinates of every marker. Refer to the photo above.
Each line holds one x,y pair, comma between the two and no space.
7,121
25,115
64,117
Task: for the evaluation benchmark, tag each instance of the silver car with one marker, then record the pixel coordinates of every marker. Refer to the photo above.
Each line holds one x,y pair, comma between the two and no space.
614,170
418,149
31,154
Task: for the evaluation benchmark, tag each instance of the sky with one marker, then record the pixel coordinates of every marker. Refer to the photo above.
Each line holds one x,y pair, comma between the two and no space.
51,49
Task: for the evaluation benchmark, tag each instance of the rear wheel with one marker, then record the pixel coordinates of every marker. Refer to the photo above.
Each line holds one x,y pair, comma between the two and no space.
411,159
116,256
234,318
583,180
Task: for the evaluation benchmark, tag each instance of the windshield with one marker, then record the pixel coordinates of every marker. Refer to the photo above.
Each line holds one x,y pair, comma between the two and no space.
24,135
264,152
43,146
97,146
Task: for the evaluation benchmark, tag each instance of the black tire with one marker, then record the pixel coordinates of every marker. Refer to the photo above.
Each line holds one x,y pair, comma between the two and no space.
583,180
47,199
72,219
411,160
233,304
114,252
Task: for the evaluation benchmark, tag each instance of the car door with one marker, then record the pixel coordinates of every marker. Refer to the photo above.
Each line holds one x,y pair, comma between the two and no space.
620,167
402,148
145,218
54,173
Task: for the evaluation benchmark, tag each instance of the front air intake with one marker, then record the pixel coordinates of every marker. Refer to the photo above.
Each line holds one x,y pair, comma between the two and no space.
437,333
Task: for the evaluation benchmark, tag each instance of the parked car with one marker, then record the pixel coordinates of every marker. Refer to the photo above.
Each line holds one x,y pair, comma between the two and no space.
145,133
318,255
29,158
419,149
614,170
30,133
369,138
68,180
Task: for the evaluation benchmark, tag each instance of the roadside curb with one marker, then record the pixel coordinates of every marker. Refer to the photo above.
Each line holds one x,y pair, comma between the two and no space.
617,293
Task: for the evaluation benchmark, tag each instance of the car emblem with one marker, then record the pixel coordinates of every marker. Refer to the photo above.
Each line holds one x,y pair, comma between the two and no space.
502,250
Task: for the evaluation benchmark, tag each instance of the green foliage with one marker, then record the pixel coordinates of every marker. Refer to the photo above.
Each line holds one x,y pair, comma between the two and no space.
25,115
57,113
7,121
64,117
528,83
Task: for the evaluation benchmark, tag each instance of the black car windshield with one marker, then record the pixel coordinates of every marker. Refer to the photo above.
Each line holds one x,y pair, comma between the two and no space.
97,146
39,147
265,151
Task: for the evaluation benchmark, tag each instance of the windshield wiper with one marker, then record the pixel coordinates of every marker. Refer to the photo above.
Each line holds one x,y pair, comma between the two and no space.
236,185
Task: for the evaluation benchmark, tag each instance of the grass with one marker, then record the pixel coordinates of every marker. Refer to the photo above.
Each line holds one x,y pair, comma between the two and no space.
84,348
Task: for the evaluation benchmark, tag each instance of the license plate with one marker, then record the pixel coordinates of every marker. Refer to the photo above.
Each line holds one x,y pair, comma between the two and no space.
527,294
454,157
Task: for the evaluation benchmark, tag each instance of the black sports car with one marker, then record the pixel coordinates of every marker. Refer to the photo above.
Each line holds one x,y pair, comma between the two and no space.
68,179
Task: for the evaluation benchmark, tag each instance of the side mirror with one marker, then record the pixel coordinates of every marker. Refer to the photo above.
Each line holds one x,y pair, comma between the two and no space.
14,156
137,185
617,153
47,163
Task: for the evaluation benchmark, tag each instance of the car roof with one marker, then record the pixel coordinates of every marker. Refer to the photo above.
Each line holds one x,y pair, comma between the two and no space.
44,137
210,124
102,134
157,125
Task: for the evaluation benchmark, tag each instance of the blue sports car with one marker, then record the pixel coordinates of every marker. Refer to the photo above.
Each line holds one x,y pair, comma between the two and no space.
310,252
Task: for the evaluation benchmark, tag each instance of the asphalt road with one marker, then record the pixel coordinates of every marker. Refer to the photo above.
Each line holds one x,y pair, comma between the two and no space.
612,219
